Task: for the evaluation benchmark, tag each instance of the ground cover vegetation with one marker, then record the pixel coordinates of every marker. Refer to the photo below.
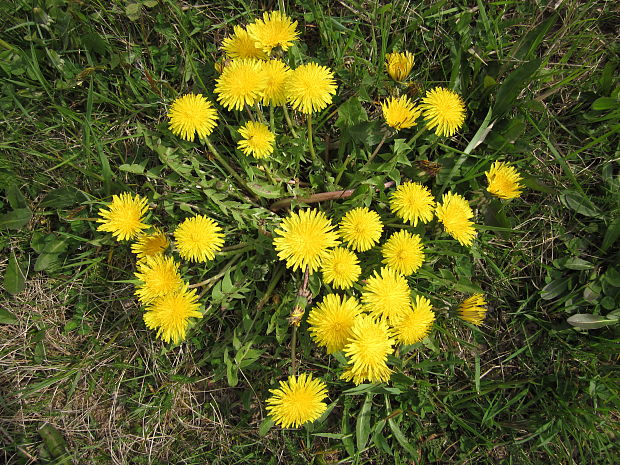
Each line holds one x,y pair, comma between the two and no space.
309,232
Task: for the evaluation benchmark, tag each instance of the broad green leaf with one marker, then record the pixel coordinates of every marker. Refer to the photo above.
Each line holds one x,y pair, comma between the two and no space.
63,197
7,318
611,235
589,321
134,168
267,191
50,253
575,263
534,183
350,113
14,276
530,42
512,86
580,203
401,438
15,219
554,289
54,441
265,426
605,103
15,197
362,427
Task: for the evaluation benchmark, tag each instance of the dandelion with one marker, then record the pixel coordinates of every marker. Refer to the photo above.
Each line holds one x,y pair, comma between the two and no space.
241,45
398,65
361,228
400,113
159,275
124,216
412,202
149,245
198,238
386,294
191,114
275,29
305,239
414,324
372,341
310,87
257,140
297,401
503,181
341,267
277,74
241,83
473,309
455,213
170,314
443,110
403,252
331,321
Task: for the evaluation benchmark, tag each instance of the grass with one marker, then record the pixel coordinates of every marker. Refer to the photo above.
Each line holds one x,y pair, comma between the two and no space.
83,117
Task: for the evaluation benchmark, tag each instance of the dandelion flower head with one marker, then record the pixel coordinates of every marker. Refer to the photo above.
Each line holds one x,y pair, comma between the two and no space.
241,83
310,87
277,73
304,239
275,29
473,309
241,45
414,324
340,268
443,110
503,181
361,228
367,349
198,238
403,252
398,65
124,216
412,202
298,400
331,321
400,112
455,213
192,114
386,294
257,140
159,275
149,245
170,314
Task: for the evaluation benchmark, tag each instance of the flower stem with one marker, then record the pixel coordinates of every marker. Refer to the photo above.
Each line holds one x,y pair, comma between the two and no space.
377,148
272,180
229,168
289,121
259,112
310,142
272,123
302,300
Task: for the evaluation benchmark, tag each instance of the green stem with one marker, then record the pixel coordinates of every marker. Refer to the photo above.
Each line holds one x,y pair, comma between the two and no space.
272,123
377,148
272,180
259,112
310,141
230,170
289,121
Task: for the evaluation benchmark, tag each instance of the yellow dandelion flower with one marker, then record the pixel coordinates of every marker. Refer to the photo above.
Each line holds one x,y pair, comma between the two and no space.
361,228
331,321
124,216
277,73
191,114
305,239
257,140
403,252
504,181
275,29
241,45
386,294
412,202
170,314
159,276
198,238
414,324
367,349
149,245
473,309
340,267
400,113
297,401
310,87
398,65
455,213
443,110
241,83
